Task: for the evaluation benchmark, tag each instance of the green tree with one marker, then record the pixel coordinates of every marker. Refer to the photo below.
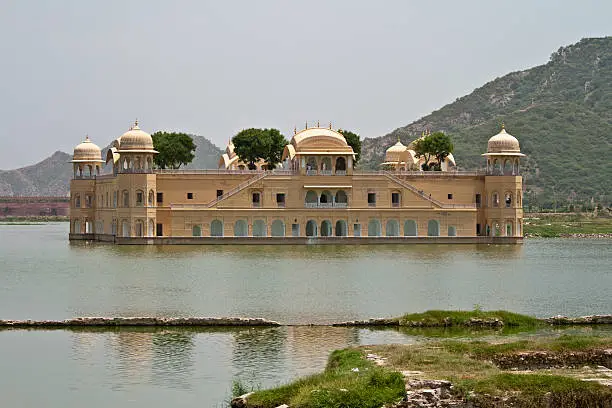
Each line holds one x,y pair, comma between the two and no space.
354,141
436,145
252,145
175,149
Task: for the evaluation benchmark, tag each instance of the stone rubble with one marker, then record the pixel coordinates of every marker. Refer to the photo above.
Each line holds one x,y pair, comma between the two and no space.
138,321
568,321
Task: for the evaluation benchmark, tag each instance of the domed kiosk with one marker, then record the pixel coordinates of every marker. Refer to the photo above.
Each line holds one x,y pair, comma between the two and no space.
86,159
132,152
503,154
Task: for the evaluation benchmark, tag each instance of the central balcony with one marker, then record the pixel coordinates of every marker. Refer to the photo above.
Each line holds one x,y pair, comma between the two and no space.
325,205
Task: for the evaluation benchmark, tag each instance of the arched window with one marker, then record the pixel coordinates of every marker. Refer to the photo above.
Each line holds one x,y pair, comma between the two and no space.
495,199
433,228
139,198
497,167
509,229
77,200
392,229
311,228
340,164
410,228
196,231
151,199
256,199
125,228
452,231
260,229
88,227
311,165
76,228
114,199
374,228
126,198
326,229
278,228
508,167
139,228
326,197
241,228
114,227
326,165
311,199
151,231
216,228
341,198
508,199
341,228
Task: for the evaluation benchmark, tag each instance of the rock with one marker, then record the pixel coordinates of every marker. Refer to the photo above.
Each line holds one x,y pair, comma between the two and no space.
140,321
241,401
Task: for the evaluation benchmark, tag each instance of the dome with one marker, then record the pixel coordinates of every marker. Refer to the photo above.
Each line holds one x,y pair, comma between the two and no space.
136,139
319,133
503,142
393,153
87,151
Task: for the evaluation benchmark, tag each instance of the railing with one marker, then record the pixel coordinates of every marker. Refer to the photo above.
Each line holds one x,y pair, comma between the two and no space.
326,172
340,172
325,205
311,172
238,188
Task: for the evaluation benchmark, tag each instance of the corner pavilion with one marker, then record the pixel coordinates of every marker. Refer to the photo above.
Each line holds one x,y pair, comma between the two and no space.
315,196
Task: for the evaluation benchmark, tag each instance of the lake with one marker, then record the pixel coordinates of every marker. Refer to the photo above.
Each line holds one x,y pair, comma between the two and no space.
43,276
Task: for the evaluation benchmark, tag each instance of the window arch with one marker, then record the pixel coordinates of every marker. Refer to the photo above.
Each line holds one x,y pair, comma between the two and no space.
495,199
126,198
508,167
374,228
326,164
139,232
216,228
326,228
410,228
341,228
392,229
196,231
311,199
76,228
151,231
139,198
326,197
125,228
311,228
340,164
452,231
508,199
77,200
259,228
278,228
151,199
311,164
433,228
341,198
241,228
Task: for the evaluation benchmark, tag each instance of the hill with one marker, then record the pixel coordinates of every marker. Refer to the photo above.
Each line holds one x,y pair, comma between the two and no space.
51,177
561,112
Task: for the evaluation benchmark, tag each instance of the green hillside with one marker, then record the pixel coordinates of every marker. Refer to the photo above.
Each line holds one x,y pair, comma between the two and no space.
561,112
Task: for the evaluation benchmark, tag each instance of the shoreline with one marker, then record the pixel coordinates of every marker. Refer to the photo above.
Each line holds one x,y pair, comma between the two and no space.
475,321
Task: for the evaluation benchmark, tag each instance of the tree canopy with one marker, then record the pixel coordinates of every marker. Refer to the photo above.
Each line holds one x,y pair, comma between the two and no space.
436,145
354,141
252,145
175,149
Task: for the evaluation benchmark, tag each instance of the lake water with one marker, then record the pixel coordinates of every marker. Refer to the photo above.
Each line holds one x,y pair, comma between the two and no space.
42,276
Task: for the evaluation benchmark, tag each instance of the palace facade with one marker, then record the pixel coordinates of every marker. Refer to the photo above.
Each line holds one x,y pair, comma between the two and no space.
317,195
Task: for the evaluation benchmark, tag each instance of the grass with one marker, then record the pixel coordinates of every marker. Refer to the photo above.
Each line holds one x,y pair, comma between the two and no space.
435,318
34,219
562,225
349,380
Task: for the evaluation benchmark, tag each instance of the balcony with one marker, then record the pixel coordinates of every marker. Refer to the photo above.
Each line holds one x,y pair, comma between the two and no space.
325,205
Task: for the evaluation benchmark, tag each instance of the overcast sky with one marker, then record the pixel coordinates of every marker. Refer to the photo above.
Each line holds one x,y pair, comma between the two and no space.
71,68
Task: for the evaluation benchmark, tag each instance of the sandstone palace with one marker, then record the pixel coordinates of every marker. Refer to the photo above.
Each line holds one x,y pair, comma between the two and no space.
316,196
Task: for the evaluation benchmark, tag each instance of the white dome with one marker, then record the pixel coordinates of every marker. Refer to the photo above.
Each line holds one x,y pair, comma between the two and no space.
136,139
503,142
87,151
393,153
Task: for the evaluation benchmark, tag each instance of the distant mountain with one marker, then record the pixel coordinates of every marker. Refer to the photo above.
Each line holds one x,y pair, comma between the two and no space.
51,177
561,112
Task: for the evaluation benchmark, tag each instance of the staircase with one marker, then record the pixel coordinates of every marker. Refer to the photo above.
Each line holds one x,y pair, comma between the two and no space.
412,188
238,188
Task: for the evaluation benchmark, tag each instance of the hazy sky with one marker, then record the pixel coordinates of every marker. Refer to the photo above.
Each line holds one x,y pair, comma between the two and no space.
71,68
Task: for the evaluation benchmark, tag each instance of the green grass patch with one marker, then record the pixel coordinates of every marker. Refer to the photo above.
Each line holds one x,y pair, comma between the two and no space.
557,226
349,380
462,318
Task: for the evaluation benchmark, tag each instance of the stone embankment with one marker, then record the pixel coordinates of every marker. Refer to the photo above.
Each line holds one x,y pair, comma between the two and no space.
476,322
570,321
139,322
537,360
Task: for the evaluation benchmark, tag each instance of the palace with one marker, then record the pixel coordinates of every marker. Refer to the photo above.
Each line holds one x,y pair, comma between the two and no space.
315,196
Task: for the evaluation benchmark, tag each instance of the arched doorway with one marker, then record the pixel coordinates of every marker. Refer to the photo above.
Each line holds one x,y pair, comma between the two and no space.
340,164
125,229
278,228
311,199
139,228
341,228
410,228
326,229
311,228
241,229
374,228
433,228
392,228
76,229
259,229
326,197
326,165
216,228
341,198
151,231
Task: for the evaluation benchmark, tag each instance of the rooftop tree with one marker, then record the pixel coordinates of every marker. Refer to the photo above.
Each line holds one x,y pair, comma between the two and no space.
175,149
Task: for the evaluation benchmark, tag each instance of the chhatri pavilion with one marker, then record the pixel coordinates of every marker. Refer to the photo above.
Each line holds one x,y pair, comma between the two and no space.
315,196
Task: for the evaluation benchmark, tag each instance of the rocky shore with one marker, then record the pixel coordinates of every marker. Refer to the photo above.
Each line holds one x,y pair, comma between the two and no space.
139,322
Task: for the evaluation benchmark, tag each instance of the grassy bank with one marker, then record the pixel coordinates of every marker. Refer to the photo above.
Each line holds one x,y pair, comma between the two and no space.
561,225
349,380
476,317
33,219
